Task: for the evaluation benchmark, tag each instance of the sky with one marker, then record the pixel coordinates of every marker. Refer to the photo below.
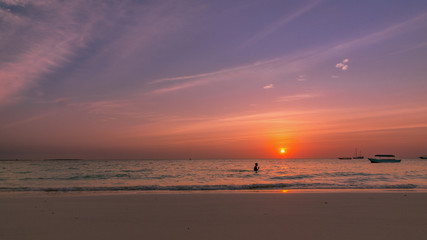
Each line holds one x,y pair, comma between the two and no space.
212,79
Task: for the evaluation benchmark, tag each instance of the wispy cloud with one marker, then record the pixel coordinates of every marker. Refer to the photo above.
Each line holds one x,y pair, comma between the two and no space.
275,26
410,48
51,40
302,78
185,85
221,124
24,121
184,82
296,97
215,73
269,86
276,65
387,33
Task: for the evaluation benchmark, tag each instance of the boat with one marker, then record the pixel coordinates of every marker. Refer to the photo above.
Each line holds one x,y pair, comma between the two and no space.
384,158
423,157
358,155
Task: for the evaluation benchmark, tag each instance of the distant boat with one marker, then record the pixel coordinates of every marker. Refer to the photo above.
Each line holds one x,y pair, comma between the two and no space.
344,158
358,155
423,157
383,158
63,159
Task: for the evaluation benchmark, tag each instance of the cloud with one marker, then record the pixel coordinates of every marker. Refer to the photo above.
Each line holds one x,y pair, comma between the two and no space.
269,86
222,123
293,61
302,78
183,85
49,36
24,121
384,34
343,65
273,27
296,97
215,73
299,59
43,38
227,74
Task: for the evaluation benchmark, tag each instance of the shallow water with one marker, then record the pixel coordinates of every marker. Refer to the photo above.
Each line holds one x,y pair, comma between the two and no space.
143,175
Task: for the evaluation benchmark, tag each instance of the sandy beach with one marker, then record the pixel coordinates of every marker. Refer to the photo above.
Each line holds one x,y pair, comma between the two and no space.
213,215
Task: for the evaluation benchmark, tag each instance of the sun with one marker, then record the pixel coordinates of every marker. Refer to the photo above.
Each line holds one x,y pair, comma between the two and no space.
282,150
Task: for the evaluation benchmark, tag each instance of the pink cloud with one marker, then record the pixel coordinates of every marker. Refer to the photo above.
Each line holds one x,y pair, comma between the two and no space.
52,40
296,97
343,65
269,86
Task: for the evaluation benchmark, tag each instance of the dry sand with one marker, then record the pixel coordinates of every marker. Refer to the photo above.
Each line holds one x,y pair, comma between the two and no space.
348,215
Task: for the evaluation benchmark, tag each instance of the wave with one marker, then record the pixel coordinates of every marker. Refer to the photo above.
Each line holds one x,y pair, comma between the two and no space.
351,174
139,170
206,187
301,176
331,175
81,177
239,170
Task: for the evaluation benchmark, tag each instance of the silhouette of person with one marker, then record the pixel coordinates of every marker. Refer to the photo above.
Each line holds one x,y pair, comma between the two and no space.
256,167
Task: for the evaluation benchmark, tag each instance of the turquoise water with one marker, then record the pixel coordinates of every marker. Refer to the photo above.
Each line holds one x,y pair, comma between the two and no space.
143,175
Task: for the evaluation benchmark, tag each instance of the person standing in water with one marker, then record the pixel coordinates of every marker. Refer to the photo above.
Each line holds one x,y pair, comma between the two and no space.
256,167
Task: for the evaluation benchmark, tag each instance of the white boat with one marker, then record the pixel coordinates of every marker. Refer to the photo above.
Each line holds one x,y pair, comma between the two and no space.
383,158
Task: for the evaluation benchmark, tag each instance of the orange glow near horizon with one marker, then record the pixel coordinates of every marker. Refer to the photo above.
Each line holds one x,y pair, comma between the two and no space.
295,103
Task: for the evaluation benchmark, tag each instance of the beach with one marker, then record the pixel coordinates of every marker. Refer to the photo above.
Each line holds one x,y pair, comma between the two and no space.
214,215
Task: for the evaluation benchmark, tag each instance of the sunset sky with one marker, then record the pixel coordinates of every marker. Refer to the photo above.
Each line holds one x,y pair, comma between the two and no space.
212,79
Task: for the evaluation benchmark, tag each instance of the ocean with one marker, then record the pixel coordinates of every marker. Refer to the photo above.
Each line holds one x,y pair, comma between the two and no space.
190,175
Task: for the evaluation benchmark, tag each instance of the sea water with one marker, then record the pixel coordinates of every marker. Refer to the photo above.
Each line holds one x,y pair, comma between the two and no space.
226,174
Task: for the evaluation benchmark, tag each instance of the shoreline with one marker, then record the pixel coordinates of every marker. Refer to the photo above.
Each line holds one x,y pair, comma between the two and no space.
178,192
215,215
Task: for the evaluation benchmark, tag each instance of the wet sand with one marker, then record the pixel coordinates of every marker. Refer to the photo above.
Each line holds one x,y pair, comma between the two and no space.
214,215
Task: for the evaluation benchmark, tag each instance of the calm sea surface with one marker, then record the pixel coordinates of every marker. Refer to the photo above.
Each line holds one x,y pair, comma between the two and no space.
174,175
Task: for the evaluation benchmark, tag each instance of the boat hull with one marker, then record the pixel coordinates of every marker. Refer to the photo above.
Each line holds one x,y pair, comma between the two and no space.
377,160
